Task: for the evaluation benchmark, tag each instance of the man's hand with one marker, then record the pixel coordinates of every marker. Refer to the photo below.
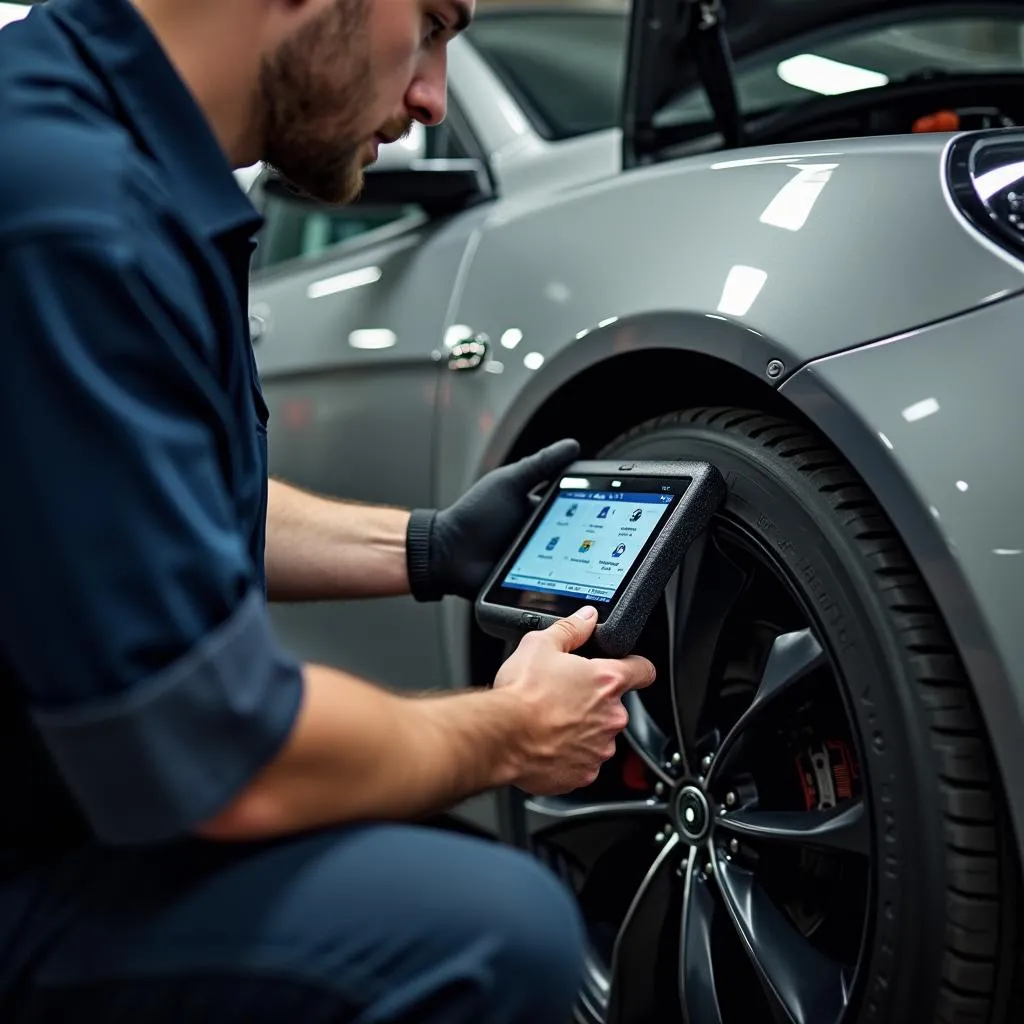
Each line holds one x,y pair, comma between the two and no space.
453,551
573,706
358,752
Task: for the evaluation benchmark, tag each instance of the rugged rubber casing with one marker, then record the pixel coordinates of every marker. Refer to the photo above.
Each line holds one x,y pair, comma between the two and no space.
616,635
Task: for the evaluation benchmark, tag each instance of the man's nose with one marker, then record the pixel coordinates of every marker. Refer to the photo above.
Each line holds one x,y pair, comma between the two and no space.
427,98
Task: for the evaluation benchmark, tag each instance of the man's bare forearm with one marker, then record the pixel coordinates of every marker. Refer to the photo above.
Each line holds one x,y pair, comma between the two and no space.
321,549
357,753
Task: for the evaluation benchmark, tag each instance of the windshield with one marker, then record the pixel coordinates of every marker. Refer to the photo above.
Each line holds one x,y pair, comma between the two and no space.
566,67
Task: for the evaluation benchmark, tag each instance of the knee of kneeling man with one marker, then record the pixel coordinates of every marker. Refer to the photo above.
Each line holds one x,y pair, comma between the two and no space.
542,934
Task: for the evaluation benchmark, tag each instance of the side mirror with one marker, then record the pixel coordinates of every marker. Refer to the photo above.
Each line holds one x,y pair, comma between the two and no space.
439,187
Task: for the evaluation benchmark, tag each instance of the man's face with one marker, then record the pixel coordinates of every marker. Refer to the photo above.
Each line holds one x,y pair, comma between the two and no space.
353,75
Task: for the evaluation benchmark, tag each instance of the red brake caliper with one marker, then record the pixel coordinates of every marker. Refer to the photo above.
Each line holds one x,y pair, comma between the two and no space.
634,772
826,774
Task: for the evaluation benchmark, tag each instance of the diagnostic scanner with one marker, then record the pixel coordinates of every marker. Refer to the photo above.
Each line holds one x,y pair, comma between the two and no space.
608,534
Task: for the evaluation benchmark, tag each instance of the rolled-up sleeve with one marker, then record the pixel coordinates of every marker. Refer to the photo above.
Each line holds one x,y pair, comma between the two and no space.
130,611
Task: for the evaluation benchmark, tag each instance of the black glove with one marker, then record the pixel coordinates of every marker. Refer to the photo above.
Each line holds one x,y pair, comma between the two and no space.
454,550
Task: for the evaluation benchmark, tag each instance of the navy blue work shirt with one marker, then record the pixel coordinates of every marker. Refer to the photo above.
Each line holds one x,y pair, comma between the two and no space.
141,687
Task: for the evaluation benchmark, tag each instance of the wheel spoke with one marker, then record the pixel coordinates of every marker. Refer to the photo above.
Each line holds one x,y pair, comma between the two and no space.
842,828
697,990
633,993
698,601
646,738
545,815
803,985
587,831
792,657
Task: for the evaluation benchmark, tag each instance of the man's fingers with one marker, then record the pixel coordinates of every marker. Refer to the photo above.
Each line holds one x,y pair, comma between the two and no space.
637,672
550,461
573,631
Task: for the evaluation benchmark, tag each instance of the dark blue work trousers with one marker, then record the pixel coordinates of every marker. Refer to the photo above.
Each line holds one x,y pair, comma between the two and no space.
372,924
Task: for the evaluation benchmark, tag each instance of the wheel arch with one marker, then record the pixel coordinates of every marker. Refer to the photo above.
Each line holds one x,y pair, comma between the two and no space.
675,354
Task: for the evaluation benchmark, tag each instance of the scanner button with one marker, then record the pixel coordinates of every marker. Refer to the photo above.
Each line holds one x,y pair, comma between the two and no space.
530,621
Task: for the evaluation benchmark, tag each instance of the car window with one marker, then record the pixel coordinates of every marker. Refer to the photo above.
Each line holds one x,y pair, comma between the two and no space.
295,230
567,69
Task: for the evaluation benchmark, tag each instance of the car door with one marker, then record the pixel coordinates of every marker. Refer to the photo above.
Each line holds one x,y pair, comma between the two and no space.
347,308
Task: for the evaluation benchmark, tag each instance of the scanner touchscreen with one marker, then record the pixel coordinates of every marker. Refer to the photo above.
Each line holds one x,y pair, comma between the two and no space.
587,543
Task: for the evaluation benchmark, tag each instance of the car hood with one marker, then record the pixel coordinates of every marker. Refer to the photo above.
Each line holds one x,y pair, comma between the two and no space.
753,25
675,45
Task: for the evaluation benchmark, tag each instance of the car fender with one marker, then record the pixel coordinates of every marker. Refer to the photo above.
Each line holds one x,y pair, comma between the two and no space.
933,422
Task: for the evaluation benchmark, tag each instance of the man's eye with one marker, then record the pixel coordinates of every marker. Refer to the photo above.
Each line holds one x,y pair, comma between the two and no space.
435,28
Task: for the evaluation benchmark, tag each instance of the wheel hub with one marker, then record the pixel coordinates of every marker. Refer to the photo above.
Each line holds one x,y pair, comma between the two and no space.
692,814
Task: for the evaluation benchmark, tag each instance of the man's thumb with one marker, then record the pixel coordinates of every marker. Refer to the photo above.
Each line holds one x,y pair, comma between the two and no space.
575,630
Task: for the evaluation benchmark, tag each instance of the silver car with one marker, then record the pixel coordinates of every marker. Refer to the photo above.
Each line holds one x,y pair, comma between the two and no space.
791,243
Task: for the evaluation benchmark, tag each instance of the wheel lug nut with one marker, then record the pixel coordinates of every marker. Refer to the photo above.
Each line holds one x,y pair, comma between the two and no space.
660,838
709,868
734,846
706,762
730,799
677,759
659,788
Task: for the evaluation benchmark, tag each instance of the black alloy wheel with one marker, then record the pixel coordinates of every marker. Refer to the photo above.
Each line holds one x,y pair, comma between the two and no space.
803,823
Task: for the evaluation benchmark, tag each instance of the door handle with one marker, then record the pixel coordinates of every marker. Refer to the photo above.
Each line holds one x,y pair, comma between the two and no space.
469,353
257,328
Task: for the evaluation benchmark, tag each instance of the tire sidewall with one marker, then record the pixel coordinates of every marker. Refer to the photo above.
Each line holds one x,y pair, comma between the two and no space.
826,568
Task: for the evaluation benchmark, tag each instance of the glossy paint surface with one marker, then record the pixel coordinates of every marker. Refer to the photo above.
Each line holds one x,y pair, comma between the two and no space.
934,423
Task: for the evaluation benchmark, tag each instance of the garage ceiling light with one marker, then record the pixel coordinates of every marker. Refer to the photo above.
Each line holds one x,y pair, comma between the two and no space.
828,77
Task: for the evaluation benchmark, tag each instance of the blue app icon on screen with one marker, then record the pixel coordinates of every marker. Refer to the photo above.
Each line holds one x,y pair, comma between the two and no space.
617,553
552,543
603,514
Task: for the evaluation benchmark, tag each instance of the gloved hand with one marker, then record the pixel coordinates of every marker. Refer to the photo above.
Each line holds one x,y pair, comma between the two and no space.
454,550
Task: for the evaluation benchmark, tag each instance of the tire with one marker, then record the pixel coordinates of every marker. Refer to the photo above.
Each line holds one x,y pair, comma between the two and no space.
939,939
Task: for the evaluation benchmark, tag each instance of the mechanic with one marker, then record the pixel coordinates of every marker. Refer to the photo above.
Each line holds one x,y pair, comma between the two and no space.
198,827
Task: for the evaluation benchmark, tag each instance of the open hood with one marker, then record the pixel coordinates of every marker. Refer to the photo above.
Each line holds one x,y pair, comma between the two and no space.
675,45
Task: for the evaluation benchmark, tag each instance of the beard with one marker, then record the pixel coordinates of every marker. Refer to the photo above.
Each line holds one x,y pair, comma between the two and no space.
311,115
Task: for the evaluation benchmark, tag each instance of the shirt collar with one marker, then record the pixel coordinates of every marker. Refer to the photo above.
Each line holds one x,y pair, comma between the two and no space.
159,110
